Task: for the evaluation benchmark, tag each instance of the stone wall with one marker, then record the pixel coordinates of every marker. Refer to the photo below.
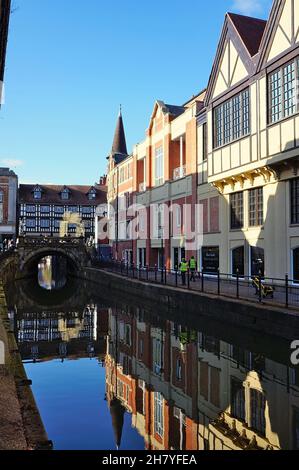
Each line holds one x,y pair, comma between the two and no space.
254,317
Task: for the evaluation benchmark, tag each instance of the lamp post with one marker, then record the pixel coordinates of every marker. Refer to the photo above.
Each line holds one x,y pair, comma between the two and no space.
105,213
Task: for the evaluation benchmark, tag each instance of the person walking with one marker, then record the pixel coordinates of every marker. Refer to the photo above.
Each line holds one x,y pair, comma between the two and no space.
193,268
184,269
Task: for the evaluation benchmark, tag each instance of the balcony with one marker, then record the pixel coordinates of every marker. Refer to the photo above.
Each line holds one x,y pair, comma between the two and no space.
142,187
179,173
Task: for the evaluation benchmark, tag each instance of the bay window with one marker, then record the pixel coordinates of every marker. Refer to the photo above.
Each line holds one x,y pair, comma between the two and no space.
232,119
282,91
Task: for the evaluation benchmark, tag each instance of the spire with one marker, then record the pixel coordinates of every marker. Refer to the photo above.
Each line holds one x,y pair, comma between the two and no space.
119,143
117,414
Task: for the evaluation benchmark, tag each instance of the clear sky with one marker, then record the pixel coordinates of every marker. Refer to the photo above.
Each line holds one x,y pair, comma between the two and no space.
70,63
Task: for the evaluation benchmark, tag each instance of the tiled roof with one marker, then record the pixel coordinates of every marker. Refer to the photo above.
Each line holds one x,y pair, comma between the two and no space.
7,172
175,110
51,194
251,31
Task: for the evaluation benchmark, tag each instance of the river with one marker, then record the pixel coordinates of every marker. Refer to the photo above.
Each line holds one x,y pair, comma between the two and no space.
112,373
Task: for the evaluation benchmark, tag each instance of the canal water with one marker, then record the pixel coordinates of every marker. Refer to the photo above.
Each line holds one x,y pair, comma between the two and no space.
112,373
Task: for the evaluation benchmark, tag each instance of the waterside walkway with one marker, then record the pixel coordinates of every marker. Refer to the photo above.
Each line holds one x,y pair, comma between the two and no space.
276,292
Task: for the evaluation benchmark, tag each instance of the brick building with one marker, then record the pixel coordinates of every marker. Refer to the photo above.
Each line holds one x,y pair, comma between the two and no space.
8,204
232,150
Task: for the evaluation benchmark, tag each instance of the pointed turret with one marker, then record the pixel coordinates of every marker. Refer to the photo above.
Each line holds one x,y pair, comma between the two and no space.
119,146
117,414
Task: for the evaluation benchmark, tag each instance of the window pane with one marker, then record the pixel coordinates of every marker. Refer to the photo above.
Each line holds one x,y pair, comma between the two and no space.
237,400
45,223
236,206
282,92
232,119
246,113
275,97
159,166
30,223
256,207
227,122
30,208
289,89
218,118
159,418
236,117
295,201
257,408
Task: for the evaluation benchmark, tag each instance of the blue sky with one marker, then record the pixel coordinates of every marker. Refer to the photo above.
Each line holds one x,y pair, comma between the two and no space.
71,63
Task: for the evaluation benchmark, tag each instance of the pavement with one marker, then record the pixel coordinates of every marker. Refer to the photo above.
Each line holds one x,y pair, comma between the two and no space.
12,435
227,287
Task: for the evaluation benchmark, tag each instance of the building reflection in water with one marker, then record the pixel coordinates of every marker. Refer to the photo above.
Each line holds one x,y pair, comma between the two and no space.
52,272
184,389
189,391
72,335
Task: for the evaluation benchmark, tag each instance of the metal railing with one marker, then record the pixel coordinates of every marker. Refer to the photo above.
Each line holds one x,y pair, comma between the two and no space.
263,290
34,241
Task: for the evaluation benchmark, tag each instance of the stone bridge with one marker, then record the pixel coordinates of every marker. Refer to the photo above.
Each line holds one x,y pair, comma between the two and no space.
23,261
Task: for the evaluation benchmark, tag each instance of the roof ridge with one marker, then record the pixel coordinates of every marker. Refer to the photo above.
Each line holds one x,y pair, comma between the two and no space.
246,16
250,31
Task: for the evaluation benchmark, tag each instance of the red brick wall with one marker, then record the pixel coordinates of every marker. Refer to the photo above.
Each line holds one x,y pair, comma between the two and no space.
4,188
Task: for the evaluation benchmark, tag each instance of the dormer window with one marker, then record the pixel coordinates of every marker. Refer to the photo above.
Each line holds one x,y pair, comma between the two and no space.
92,194
65,194
37,193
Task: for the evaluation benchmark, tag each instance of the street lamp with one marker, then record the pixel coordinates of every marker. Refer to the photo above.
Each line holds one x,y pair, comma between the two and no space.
98,241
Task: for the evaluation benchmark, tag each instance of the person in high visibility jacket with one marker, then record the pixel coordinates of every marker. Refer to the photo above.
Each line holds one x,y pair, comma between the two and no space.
193,268
184,270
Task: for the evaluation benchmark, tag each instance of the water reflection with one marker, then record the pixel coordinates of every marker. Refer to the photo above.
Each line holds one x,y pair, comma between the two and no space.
73,335
190,391
52,272
153,383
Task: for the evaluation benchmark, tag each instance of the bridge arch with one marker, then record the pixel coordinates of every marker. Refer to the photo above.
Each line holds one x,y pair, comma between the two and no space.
23,262
29,262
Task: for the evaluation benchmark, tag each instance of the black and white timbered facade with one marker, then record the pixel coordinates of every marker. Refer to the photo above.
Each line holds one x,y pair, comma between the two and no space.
42,208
